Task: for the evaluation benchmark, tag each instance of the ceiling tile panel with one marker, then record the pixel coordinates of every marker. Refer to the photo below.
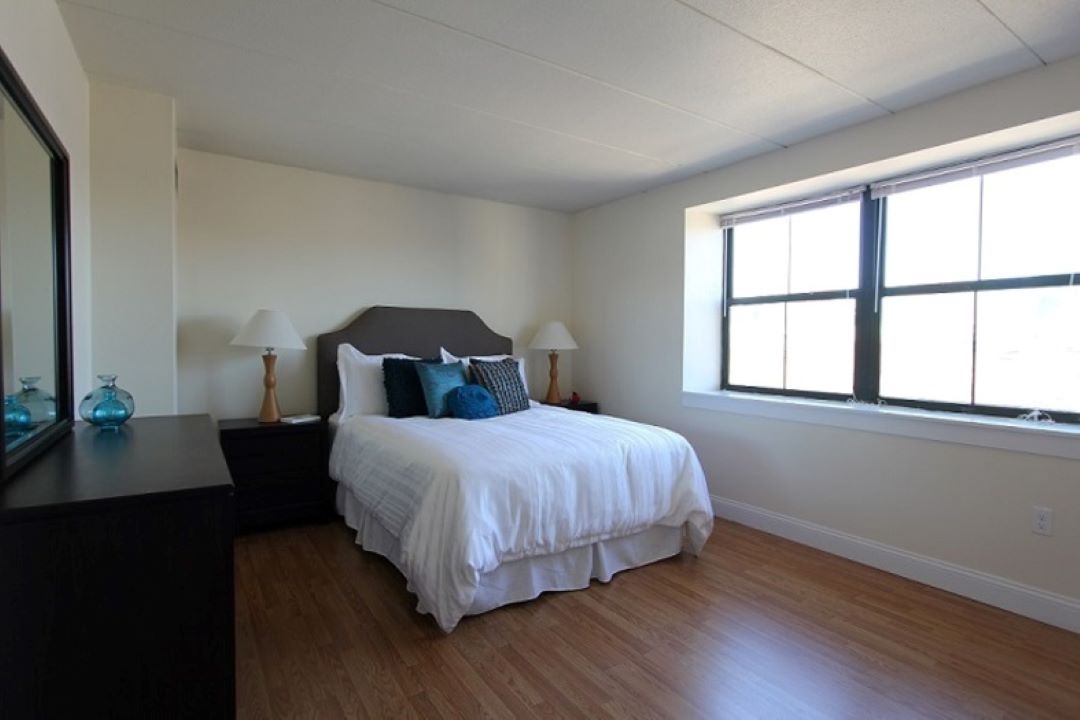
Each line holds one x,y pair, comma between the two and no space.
549,176
151,58
1050,27
268,107
664,50
373,44
309,32
426,58
480,133
898,53
253,105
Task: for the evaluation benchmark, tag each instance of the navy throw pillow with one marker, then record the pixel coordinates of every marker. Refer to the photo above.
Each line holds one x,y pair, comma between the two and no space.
404,394
471,402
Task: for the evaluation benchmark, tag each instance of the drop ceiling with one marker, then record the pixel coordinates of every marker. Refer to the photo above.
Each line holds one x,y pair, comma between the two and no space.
561,104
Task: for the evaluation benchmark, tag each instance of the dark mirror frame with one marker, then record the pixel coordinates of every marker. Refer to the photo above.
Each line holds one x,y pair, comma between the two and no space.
24,103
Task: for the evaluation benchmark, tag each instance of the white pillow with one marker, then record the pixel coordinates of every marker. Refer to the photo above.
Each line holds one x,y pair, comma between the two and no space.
361,380
449,357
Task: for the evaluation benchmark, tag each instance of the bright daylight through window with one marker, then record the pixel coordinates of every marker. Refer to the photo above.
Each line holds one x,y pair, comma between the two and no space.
951,290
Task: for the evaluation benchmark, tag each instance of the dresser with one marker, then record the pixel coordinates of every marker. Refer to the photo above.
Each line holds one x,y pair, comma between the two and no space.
116,576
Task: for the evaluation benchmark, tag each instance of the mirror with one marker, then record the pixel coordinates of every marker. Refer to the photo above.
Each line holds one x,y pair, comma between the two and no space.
34,336
27,293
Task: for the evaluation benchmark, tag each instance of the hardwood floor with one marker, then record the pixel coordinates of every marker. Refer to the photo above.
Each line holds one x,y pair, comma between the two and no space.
758,627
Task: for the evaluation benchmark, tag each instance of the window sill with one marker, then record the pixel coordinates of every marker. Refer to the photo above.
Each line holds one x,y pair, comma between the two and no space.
1048,439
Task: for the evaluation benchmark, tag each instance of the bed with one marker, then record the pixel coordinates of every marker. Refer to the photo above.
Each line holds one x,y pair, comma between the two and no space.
480,514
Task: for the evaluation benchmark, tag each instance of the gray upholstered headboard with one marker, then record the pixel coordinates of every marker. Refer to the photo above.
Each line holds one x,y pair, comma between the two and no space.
414,331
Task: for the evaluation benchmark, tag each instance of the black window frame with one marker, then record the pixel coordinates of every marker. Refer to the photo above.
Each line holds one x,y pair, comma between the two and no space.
729,301
869,297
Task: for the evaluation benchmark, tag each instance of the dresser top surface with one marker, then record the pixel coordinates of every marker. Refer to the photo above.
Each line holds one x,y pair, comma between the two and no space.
145,457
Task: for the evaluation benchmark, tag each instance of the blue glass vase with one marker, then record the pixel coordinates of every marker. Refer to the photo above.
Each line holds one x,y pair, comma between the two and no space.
17,420
108,407
42,405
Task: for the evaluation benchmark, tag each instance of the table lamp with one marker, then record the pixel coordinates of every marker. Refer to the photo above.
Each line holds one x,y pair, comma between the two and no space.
553,336
269,329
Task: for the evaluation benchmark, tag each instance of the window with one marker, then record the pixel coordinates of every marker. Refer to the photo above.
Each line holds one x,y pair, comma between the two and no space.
791,315
952,290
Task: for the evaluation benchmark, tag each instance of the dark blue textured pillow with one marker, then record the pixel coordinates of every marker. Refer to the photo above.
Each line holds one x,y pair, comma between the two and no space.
404,395
437,380
471,402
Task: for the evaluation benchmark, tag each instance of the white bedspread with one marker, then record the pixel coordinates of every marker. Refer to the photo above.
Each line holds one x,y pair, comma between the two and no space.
465,496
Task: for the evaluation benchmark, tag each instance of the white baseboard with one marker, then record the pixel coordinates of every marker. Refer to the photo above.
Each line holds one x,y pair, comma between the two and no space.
1021,599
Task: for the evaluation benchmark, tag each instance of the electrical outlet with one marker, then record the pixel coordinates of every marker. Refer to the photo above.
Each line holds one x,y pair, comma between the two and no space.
1042,520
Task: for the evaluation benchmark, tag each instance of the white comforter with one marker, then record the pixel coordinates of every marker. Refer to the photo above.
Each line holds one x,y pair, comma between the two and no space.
463,497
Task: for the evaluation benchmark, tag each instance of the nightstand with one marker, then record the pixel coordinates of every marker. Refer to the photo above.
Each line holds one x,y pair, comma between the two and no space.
583,406
280,471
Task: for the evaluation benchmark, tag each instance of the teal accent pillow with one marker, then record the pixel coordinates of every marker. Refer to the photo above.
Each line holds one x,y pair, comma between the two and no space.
437,380
472,402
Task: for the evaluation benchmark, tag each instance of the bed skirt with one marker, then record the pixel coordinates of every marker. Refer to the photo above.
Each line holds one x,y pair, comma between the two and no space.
527,578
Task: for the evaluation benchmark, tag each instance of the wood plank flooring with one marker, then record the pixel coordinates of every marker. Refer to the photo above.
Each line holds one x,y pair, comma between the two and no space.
758,627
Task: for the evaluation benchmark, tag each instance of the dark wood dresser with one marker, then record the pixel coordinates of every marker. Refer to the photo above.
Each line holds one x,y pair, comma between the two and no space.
116,576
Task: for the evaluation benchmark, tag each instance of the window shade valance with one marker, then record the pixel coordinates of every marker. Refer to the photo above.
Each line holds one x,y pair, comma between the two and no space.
834,198
973,168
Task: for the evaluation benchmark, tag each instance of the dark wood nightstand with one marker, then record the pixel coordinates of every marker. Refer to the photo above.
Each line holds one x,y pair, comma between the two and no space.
584,406
280,471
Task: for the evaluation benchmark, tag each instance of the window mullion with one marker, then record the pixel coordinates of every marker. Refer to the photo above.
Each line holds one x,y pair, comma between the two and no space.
725,322
975,295
788,288
867,331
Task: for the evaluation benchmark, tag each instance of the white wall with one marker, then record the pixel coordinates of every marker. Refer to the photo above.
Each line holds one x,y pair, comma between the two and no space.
133,211
961,504
34,38
321,248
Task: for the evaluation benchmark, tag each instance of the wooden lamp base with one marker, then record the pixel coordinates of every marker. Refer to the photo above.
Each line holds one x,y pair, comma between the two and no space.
270,412
554,397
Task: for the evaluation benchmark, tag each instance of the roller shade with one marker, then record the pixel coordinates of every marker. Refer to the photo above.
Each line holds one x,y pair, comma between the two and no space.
973,168
795,206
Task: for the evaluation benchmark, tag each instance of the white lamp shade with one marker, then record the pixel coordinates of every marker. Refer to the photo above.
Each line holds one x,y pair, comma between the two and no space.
553,336
269,329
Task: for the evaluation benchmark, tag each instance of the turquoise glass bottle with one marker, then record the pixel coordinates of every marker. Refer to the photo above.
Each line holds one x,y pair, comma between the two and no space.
108,406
